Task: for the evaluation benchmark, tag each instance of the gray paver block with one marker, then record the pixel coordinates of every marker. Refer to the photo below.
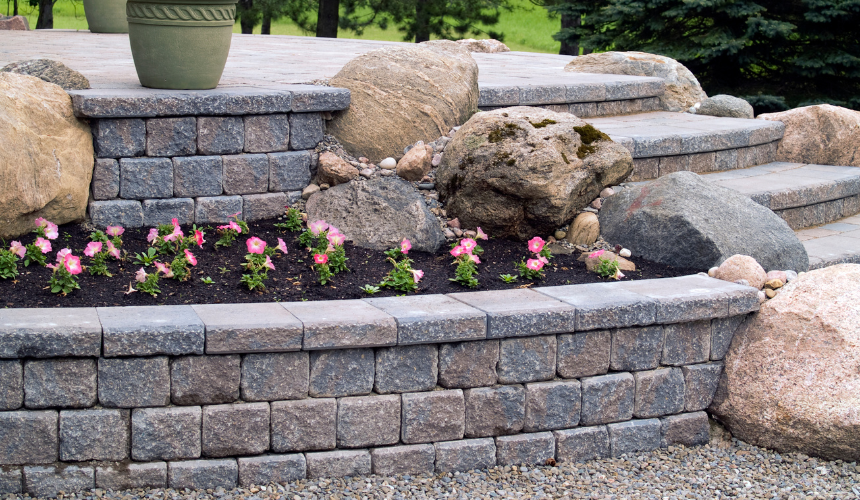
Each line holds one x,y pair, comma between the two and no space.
131,476
28,437
607,398
267,133
203,474
196,380
73,331
143,178
50,480
156,212
368,421
11,384
316,98
687,298
583,109
340,463
171,136
272,469
688,429
635,436
645,168
495,411
94,435
468,364
584,354
432,318
274,376
410,459
63,383
307,424
581,445
686,343
306,130
236,429
586,92
149,330
659,392
722,332
528,359
126,213
466,454
525,449
134,382
217,209
105,183
342,372
289,171
243,328
264,206
11,480
520,312
115,138
343,323
433,416
113,103
195,176
542,94
552,405
218,135
245,174
165,433
501,95
700,382
406,369
636,348
604,305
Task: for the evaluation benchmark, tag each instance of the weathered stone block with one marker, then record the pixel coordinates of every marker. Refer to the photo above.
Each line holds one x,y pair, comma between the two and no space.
241,328
134,382
584,354
525,449
341,463
307,424
636,348
275,376
411,459
11,481
267,133
306,130
688,429
495,411
73,331
171,136
63,383
468,364
432,318
11,384
600,306
203,474
128,476
552,405
157,212
700,382
165,433
527,359
659,392
264,206
141,331
343,323
105,183
289,171
115,138
28,437
49,480
607,398
686,298
126,213
218,135
406,369
635,436
198,176
217,209
520,312
196,380
272,469
466,454
343,372
94,435
143,178
686,343
239,429
722,332
245,174
581,445
318,98
433,416
726,159
368,421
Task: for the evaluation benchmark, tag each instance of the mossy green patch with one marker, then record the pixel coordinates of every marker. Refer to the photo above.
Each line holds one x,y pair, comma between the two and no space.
588,135
500,133
545,122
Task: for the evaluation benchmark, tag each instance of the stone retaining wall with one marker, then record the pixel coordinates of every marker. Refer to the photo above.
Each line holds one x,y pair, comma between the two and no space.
700,163
214,395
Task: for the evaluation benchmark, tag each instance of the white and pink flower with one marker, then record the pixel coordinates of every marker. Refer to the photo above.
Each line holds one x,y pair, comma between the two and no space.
61,255
198,238
417,274
469,244
114,230
481,234
282,246
405,246
534,264
153,233
73,264
318,226
594,255
112,250
140,275
255,245
458,251
190,257
93,248
536,244
269,263
18,249
43,244
320,258
336,239
164,269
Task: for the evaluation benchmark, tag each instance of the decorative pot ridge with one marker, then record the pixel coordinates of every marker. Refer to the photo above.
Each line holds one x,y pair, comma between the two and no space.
212,13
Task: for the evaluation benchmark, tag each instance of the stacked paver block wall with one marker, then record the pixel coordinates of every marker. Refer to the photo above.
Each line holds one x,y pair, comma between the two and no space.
218,395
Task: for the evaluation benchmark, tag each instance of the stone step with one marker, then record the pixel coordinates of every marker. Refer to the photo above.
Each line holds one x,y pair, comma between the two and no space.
834,243
664,142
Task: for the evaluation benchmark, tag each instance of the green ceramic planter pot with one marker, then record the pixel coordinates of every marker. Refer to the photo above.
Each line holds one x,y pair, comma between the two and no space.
106,16
180,44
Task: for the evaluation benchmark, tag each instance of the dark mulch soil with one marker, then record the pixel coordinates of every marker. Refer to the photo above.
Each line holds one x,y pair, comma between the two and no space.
293,278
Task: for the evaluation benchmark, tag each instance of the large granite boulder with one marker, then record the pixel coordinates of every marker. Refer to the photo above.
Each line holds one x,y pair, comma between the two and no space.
791,379
726,105
684,221
484,45
46,155
51,71
822,134
404,94
14,23
520,172
378,213
682,88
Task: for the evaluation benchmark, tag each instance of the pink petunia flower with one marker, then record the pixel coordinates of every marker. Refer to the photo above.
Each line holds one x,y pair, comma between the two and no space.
336,239
619,274
112,250
190,257
163,268
43,244
268,263
41,221
536,244
469,244
52,266
51,231
534,264
596,254
405,246
417,274
458,251
140,275
255,245
115,230
73,264
153,233
475,259
198,238
320,258
61,255
282,246
543,259
235,227
233,216
93,248
481,234
333,230
18,249
318,226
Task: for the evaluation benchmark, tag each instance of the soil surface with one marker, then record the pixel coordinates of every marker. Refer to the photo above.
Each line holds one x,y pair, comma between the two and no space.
293,278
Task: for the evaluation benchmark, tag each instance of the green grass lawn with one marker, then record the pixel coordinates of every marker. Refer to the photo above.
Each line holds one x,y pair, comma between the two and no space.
527,27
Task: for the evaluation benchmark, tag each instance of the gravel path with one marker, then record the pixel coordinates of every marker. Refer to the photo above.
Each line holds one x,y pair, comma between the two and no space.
722,469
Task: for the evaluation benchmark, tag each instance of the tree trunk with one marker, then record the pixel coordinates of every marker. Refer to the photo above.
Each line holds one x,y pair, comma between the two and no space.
327,18
266,28
422,21
246,19
46,15
567,48
15,7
